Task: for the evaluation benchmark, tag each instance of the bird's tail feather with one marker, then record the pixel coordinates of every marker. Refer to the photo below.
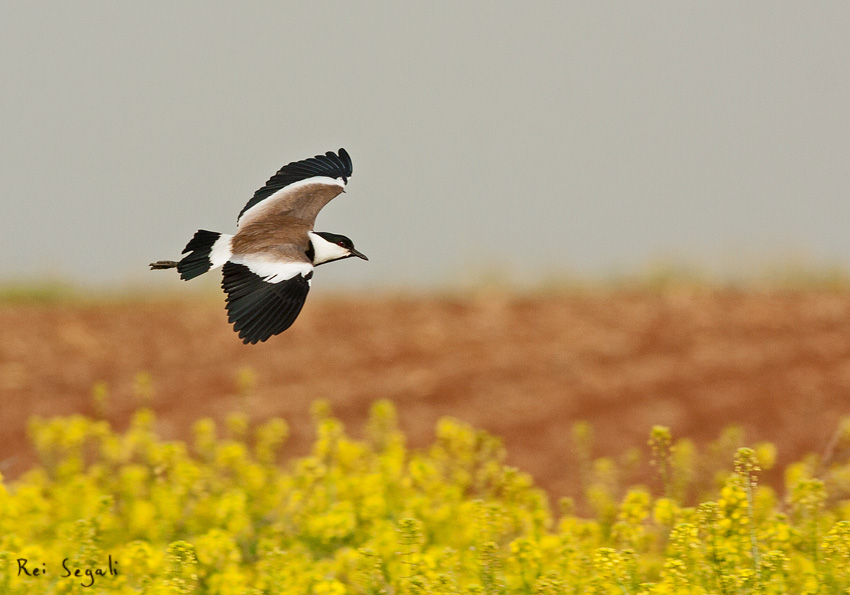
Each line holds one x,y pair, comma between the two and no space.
206,251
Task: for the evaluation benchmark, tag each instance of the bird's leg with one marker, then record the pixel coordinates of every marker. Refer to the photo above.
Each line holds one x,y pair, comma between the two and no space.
163,264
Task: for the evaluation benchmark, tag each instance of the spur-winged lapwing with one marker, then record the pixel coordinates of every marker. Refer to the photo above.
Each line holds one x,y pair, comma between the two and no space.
268,263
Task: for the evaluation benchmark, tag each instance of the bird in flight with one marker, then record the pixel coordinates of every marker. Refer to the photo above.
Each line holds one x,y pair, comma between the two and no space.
267,265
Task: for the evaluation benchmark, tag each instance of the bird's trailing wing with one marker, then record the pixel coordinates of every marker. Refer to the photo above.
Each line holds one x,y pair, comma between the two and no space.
264,299
301,188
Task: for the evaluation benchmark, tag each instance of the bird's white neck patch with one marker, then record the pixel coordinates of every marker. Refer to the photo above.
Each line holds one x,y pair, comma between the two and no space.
325,251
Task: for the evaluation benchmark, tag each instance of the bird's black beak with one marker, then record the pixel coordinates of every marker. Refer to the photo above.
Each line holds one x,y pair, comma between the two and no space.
358,254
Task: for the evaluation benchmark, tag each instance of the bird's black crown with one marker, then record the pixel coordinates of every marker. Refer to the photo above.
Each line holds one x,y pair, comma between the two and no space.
335,238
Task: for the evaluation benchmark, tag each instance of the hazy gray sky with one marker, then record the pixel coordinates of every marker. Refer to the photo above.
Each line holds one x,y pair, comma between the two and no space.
539,136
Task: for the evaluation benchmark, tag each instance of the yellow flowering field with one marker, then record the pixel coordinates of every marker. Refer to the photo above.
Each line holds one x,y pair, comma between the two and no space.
109,512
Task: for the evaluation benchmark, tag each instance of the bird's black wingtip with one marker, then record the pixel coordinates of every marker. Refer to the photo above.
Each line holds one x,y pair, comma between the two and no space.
346,159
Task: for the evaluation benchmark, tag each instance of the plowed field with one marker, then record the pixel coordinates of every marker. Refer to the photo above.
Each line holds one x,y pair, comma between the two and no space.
524,368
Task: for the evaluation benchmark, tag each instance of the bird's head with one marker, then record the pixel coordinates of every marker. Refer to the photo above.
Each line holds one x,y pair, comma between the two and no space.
327,247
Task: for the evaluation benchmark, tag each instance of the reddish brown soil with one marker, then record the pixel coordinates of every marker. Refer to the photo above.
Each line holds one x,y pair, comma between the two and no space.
523,368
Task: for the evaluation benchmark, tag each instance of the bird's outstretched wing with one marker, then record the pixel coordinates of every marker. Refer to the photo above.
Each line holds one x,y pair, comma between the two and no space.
264,299
301,188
